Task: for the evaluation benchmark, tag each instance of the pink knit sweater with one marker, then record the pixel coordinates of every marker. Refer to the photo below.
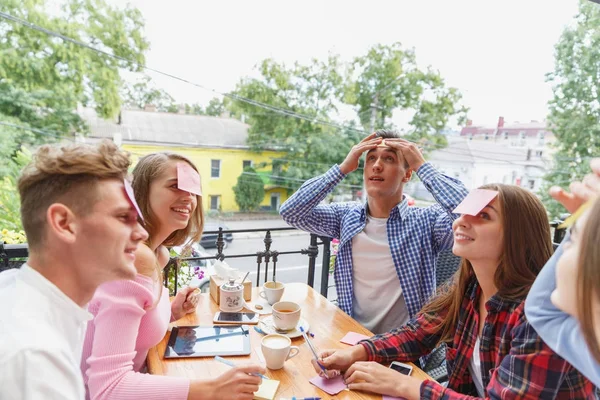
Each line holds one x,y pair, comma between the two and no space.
124,328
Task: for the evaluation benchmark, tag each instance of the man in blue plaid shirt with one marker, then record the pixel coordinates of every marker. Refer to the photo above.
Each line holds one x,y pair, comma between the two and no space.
385,267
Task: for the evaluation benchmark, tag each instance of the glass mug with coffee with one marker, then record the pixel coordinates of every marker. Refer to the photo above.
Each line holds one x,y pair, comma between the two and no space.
286,315
277,349
272,292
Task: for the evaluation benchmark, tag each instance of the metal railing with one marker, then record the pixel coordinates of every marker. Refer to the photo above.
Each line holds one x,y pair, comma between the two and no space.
268,256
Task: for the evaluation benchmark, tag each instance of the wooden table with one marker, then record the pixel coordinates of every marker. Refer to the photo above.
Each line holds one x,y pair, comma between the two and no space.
327,322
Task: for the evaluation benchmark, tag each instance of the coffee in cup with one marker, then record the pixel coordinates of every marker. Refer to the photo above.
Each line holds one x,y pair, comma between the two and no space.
272,291
286,315
277,349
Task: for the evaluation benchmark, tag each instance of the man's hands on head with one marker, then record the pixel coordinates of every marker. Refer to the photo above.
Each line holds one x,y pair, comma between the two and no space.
350,164
581,192
410,152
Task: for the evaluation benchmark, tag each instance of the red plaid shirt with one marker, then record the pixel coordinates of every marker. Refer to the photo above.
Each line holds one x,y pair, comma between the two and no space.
515,362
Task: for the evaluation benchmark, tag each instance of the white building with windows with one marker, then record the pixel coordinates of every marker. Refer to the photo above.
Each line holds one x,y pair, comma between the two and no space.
477,162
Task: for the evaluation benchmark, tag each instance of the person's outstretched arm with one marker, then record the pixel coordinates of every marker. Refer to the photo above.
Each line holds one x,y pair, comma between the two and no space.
559,330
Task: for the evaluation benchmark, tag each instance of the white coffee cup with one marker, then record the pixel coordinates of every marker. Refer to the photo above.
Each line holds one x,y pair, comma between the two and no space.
272,292
277,349
286,315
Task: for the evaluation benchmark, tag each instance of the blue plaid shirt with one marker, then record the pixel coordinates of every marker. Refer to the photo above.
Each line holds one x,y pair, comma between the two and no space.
415,235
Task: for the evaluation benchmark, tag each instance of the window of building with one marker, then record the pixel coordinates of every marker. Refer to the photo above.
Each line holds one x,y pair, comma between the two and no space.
539,153
505,135
531,184
246,164
522,135
215,168
215,202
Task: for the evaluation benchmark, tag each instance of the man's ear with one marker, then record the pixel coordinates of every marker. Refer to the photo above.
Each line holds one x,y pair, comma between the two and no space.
407,176
61,222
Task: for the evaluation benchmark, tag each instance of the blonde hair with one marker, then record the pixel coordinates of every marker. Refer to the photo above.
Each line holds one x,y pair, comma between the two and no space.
68,174
526,248
588,279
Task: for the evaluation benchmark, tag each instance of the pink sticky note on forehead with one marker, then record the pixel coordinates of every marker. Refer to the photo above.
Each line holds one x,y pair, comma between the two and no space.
475,201
188,179
332,386
131,197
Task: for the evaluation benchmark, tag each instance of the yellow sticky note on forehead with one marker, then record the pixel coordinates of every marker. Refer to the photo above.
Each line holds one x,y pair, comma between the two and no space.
382,144
570,221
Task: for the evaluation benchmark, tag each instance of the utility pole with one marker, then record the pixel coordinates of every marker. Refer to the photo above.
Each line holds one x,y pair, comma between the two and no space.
374,106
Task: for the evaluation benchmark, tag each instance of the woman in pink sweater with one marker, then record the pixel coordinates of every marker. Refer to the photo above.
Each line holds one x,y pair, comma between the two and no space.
131,316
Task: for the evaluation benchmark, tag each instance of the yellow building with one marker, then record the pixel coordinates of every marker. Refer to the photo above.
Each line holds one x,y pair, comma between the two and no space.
216,145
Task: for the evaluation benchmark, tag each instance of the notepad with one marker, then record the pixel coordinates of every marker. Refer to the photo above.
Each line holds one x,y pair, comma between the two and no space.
332,386
267,390
352,338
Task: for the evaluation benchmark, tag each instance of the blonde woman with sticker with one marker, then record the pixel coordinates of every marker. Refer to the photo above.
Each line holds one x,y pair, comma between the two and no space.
503,237
563,304
131,316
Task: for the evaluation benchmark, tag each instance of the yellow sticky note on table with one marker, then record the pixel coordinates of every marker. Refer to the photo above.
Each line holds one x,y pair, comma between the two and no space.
267,390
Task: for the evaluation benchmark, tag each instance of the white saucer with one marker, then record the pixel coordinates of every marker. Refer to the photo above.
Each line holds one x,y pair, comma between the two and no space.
266,308
266,324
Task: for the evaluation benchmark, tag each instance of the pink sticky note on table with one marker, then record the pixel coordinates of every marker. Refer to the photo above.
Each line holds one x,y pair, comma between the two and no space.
332,386
188,179
131,197
475,201
352,338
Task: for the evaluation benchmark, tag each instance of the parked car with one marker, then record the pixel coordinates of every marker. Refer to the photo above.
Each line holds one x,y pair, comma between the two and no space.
203,268
209,240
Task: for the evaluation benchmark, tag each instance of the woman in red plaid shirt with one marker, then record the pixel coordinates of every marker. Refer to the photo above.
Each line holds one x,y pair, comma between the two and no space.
493,352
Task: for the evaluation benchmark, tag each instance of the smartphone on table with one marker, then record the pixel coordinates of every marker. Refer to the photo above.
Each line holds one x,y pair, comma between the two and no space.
246,318
401,367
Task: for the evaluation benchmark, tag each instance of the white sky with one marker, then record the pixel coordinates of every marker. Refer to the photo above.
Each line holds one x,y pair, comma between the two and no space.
495,52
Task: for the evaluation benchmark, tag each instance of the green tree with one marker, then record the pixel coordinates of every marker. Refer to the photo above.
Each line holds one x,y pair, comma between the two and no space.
194,109
387,78
575,108
311,144
10,216
249,190
215,107
144,92
60,75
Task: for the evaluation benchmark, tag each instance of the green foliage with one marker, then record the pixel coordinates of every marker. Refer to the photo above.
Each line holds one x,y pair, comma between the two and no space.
10,214
575,108
57,76
215,107
144,92
249,190
387,78
315,90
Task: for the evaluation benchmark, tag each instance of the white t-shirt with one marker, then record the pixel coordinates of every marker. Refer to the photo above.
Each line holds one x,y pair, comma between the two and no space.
41,339
378,300
475,369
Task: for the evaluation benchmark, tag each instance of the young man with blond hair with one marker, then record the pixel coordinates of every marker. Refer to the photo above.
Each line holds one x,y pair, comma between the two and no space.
82,230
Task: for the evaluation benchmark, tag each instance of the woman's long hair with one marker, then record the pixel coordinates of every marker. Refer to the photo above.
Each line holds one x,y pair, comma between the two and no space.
148,169
588,278
527,246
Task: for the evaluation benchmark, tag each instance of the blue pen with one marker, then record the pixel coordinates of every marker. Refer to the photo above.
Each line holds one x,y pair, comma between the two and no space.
304,398
313,350
227,362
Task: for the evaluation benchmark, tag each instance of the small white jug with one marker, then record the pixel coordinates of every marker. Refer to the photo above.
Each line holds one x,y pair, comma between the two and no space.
231,297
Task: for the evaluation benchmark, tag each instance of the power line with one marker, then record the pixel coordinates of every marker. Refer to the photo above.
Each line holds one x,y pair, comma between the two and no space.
275,109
